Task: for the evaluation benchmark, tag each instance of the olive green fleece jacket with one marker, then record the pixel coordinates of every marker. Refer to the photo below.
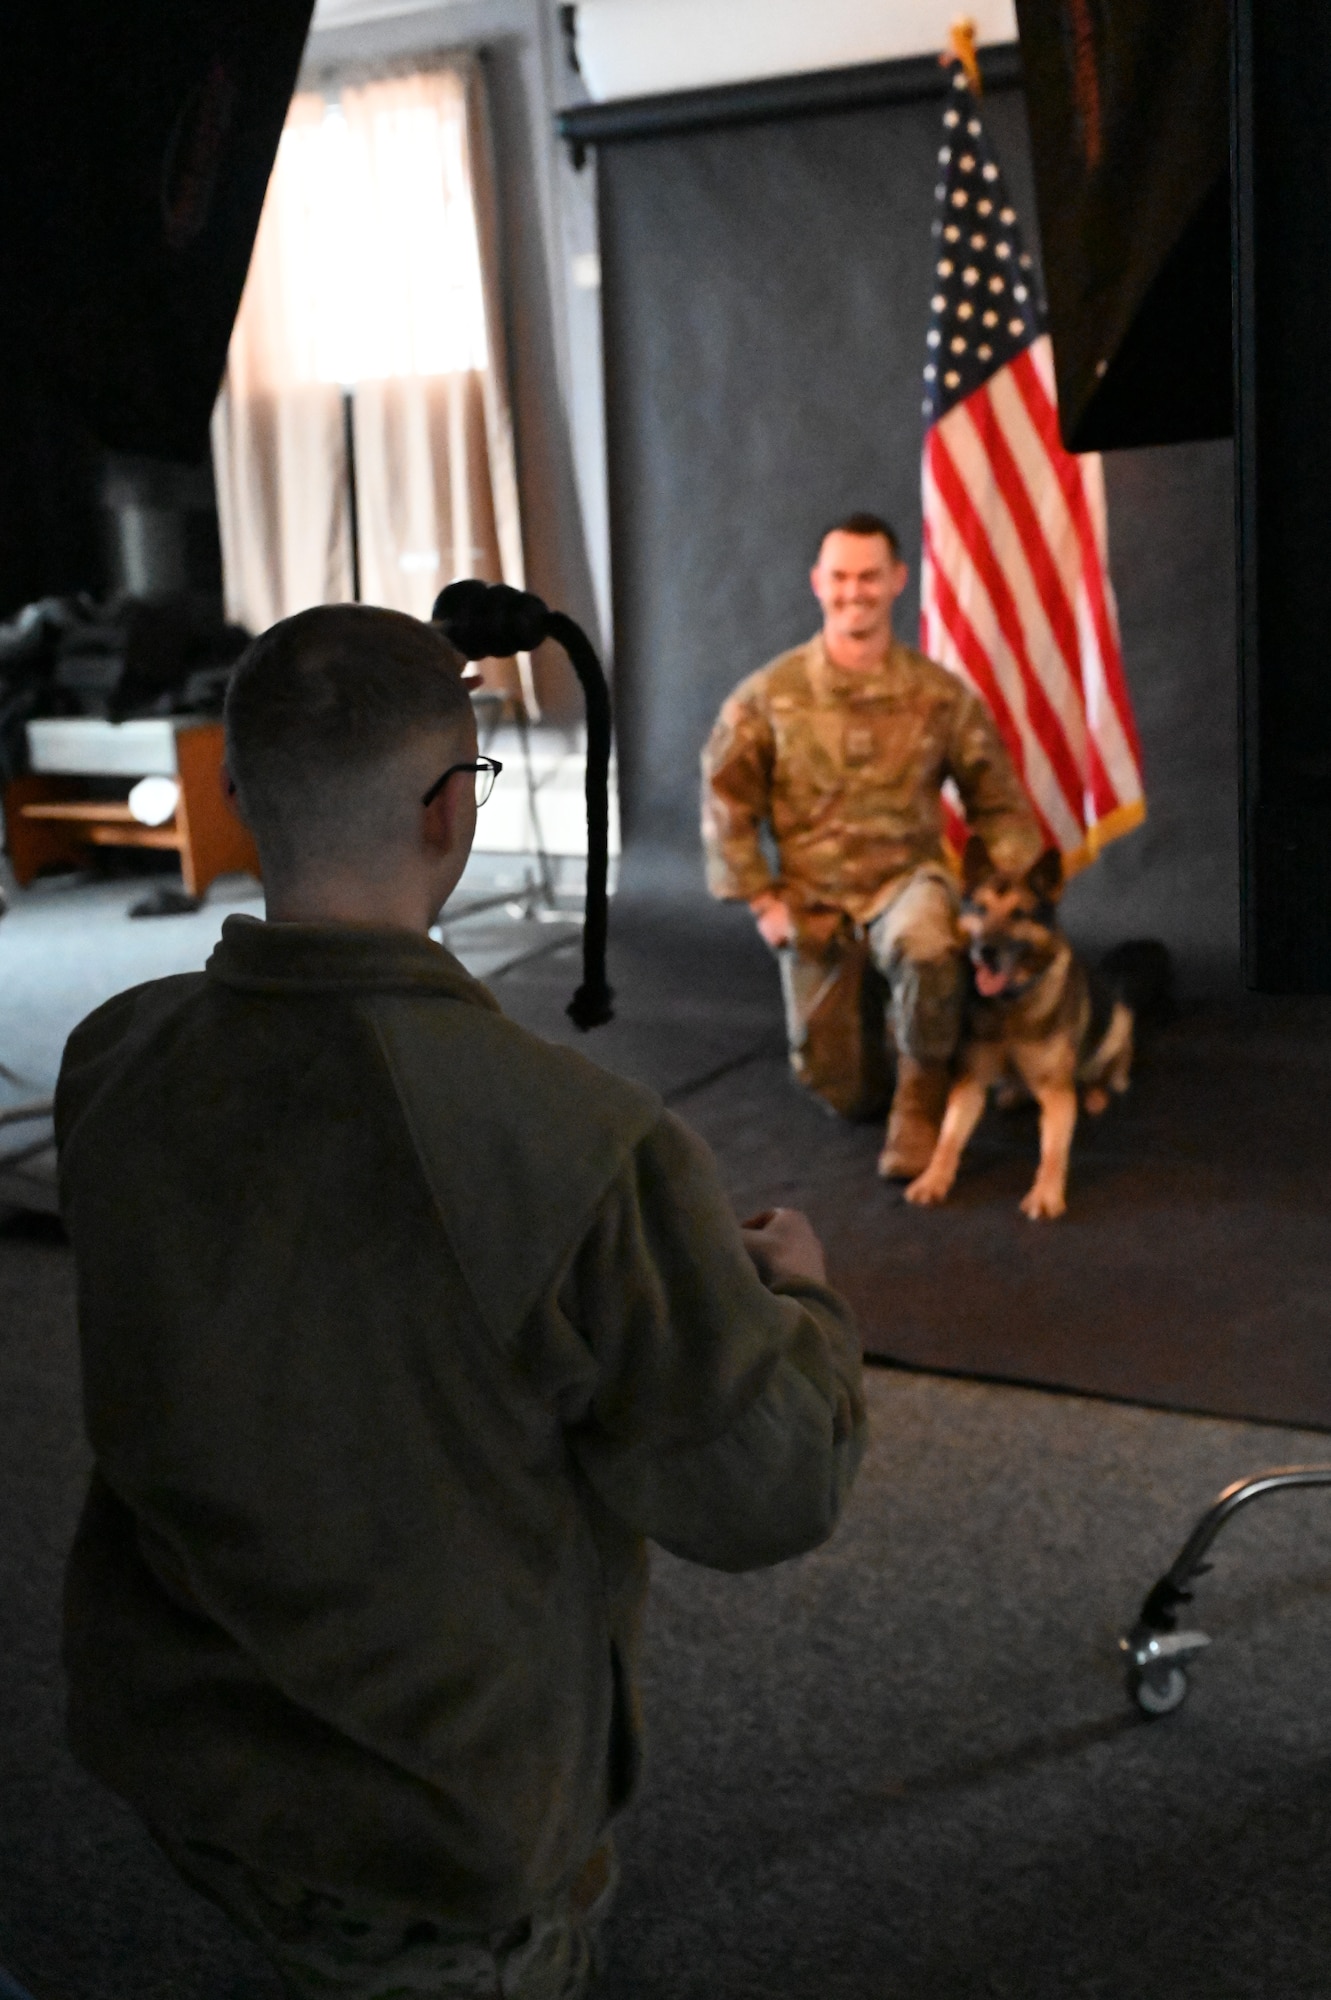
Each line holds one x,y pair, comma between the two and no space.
401,1329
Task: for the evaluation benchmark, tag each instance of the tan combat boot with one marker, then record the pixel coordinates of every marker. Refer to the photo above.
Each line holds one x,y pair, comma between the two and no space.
917,1113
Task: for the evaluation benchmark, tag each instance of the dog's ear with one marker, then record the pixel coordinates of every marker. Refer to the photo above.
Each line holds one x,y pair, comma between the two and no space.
1045,878
976,866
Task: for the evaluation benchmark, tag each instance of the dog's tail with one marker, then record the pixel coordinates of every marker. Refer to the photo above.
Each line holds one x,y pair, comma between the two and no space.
1141,973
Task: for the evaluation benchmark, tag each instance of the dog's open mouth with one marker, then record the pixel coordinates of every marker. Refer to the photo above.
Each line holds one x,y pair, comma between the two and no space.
990,980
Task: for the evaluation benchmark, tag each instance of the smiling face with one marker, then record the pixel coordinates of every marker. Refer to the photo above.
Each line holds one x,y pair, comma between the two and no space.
857,579
1007,921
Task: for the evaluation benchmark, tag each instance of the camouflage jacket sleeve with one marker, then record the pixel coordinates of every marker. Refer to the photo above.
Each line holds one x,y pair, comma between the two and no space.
995,800
736,798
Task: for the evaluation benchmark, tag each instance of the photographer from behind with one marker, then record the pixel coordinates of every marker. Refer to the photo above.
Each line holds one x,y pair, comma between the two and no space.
403,1330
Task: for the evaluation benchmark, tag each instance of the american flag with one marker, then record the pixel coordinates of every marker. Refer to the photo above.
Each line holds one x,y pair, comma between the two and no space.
1015,595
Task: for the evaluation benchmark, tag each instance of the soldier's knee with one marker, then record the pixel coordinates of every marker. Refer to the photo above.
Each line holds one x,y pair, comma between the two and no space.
937,967
926,1007
932,934
921,930
931,957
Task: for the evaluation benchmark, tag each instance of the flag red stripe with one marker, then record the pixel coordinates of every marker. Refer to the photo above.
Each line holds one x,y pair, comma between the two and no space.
979,671
957,499
976,630
1044,416
993,665
979,667
1054,600
976,658
955,829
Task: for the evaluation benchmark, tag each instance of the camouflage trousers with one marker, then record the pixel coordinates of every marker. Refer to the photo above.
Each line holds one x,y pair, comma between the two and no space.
325,1945
913,945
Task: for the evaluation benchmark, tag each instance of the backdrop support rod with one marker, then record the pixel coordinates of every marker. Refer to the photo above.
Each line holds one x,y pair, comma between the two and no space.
913,79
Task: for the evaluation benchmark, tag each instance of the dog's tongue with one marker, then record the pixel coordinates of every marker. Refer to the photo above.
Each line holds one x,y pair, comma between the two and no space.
988,982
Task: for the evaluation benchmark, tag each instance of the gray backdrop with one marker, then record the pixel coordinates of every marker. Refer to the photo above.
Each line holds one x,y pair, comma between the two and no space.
766,297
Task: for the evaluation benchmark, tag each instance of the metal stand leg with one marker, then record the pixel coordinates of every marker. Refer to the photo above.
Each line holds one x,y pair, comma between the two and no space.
1158,1654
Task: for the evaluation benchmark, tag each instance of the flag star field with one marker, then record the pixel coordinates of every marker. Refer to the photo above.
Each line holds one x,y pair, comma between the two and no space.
984,304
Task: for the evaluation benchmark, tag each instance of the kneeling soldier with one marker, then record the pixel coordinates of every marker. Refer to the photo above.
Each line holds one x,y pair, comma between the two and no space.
840,748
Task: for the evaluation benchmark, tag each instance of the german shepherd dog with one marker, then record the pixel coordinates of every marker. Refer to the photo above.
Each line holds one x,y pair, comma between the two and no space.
1038,1016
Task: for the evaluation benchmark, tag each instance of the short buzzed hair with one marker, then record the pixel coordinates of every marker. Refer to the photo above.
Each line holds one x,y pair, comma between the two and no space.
316,705
863,524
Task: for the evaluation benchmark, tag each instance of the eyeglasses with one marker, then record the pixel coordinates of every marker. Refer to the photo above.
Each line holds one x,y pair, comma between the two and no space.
486,770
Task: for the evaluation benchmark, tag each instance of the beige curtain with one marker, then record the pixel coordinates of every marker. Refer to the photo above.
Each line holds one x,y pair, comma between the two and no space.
393,290
278,452
425,498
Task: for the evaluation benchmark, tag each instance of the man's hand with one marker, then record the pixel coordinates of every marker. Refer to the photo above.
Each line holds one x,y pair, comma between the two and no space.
776,926
782,1244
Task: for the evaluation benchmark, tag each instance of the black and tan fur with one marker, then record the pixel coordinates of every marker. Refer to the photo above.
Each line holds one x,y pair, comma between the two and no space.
1035,1016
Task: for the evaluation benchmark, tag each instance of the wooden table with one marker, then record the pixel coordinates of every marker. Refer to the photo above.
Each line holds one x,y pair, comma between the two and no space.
50,819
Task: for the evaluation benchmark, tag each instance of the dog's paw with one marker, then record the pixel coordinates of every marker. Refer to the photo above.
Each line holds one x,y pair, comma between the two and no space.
928,1189
1095,1100
1043,1204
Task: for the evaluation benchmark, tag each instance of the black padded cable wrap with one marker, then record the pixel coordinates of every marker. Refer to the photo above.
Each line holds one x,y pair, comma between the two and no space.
492,621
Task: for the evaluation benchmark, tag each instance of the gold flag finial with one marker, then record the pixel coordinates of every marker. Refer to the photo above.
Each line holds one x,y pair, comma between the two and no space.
961,48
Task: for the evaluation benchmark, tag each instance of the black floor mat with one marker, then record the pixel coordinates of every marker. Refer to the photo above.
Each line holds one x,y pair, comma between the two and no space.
1192,1270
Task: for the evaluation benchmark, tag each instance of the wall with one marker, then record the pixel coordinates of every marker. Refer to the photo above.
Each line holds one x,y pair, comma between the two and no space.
629,48
766,298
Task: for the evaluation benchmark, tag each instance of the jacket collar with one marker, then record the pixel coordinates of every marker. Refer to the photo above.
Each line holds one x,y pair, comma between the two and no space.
257,957
837,683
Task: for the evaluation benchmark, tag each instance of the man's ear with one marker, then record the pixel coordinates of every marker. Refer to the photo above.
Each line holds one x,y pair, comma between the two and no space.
231,795
976,866
1045,878
437,819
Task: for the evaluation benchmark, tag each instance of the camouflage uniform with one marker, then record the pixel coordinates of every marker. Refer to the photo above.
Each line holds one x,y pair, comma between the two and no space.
845,767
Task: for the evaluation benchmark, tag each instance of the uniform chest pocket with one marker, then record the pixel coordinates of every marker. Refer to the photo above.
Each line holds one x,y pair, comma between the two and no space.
883,745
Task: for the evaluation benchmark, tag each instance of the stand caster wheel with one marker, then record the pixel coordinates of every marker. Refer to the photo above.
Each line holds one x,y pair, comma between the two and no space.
1157,1667
1160,1693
